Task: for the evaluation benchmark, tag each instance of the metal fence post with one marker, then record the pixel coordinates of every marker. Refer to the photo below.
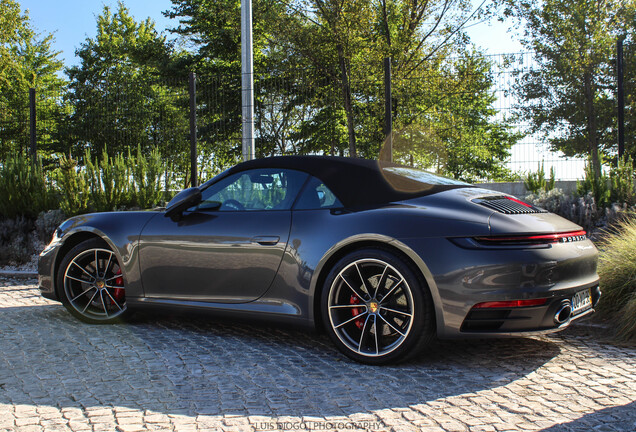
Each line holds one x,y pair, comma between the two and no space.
247,81
193,129
388,110
32,124
621,98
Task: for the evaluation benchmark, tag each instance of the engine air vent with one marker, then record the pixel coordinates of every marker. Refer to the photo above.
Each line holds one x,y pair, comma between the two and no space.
508,205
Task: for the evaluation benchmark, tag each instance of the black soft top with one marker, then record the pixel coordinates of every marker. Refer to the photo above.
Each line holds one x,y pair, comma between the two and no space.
356,182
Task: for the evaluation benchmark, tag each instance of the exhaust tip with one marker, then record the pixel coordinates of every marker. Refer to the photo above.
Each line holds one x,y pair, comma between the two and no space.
563,313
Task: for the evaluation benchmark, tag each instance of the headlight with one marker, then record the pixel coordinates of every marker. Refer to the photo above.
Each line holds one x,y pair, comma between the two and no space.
57,237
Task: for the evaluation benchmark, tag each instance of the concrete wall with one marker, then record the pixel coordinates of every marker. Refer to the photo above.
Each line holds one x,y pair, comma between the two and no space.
518,189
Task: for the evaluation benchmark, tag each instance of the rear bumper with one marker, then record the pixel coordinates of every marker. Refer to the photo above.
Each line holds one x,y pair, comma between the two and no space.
459,278
526,320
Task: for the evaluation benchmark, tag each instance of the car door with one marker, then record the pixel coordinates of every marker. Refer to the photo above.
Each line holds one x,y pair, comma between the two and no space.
228,248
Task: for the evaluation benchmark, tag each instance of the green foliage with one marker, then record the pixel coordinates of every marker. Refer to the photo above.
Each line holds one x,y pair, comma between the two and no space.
23,188
446,121
74,189
598,186
146,172
623,181
111,183
570,97
536,182
321,88
120,95
617,271
27,60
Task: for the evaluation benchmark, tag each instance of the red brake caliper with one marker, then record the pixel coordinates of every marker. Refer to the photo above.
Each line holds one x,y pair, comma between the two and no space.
118,293
356,311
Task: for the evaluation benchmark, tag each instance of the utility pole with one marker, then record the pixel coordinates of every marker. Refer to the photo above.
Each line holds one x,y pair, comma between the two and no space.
32,125
247,80
193,129
621,98
388,110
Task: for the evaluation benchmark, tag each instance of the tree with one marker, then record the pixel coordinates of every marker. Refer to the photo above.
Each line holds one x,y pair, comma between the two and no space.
122,95
213,30
27,60
346,42
570,97
319,79
446,121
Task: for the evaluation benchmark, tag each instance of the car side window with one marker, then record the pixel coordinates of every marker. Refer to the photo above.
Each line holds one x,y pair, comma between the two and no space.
258,189
316,196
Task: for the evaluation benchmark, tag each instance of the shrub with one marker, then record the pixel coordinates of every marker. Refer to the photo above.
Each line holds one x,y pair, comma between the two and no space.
617,270
147,171
536,182
109,182
17,242
599,187
74,189
24,188
46,224
581,210
622,180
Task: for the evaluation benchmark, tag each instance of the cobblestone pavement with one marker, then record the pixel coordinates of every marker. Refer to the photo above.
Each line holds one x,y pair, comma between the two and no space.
185,374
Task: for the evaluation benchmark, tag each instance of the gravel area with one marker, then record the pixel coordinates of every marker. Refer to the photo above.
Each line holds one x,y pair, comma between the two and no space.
31,266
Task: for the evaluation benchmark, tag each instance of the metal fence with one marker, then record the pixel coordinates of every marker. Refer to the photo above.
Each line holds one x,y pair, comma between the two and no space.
295,113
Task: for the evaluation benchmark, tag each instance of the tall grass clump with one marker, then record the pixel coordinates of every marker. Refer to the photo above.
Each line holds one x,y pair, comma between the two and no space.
617,270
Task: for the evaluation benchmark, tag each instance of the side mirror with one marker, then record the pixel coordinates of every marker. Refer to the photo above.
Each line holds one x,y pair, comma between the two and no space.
183,200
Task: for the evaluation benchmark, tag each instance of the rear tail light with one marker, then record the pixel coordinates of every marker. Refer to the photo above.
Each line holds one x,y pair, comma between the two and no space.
538,239
511,304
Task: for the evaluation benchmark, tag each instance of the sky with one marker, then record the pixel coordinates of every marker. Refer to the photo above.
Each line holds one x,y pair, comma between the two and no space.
72,21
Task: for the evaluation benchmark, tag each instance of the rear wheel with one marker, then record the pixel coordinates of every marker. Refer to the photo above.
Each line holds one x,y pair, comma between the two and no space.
375,307
90,283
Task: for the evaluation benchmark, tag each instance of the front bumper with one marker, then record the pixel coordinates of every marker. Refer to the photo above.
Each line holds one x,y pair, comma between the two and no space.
46,263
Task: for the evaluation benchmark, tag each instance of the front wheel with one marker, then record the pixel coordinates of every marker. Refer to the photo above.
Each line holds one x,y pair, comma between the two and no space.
375,307
90,283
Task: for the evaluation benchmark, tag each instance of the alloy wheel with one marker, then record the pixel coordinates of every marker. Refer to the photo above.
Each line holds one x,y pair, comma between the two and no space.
371,308
94,285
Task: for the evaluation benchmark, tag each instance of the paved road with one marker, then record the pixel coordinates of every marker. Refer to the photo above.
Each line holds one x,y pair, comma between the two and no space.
177,373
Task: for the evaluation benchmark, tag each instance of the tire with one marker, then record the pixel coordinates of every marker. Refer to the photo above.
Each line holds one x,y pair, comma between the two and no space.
92,293
373,285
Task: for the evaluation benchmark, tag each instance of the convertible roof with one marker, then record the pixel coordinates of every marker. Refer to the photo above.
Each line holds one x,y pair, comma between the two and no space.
356,182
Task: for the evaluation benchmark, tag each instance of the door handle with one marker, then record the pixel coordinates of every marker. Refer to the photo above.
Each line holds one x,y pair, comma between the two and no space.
266,240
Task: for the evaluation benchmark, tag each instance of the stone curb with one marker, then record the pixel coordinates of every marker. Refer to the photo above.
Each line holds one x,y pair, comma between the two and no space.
18,274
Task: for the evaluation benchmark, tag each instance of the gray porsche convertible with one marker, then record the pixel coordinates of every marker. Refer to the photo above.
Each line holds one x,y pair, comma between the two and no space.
383,257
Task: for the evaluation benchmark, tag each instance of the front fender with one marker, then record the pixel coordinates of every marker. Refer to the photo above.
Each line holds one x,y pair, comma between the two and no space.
120,230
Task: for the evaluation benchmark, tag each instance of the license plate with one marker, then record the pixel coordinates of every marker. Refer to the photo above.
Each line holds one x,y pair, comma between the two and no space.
581,301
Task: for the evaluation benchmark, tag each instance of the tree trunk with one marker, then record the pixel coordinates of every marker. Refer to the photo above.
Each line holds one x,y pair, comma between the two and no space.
590,112
346,93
